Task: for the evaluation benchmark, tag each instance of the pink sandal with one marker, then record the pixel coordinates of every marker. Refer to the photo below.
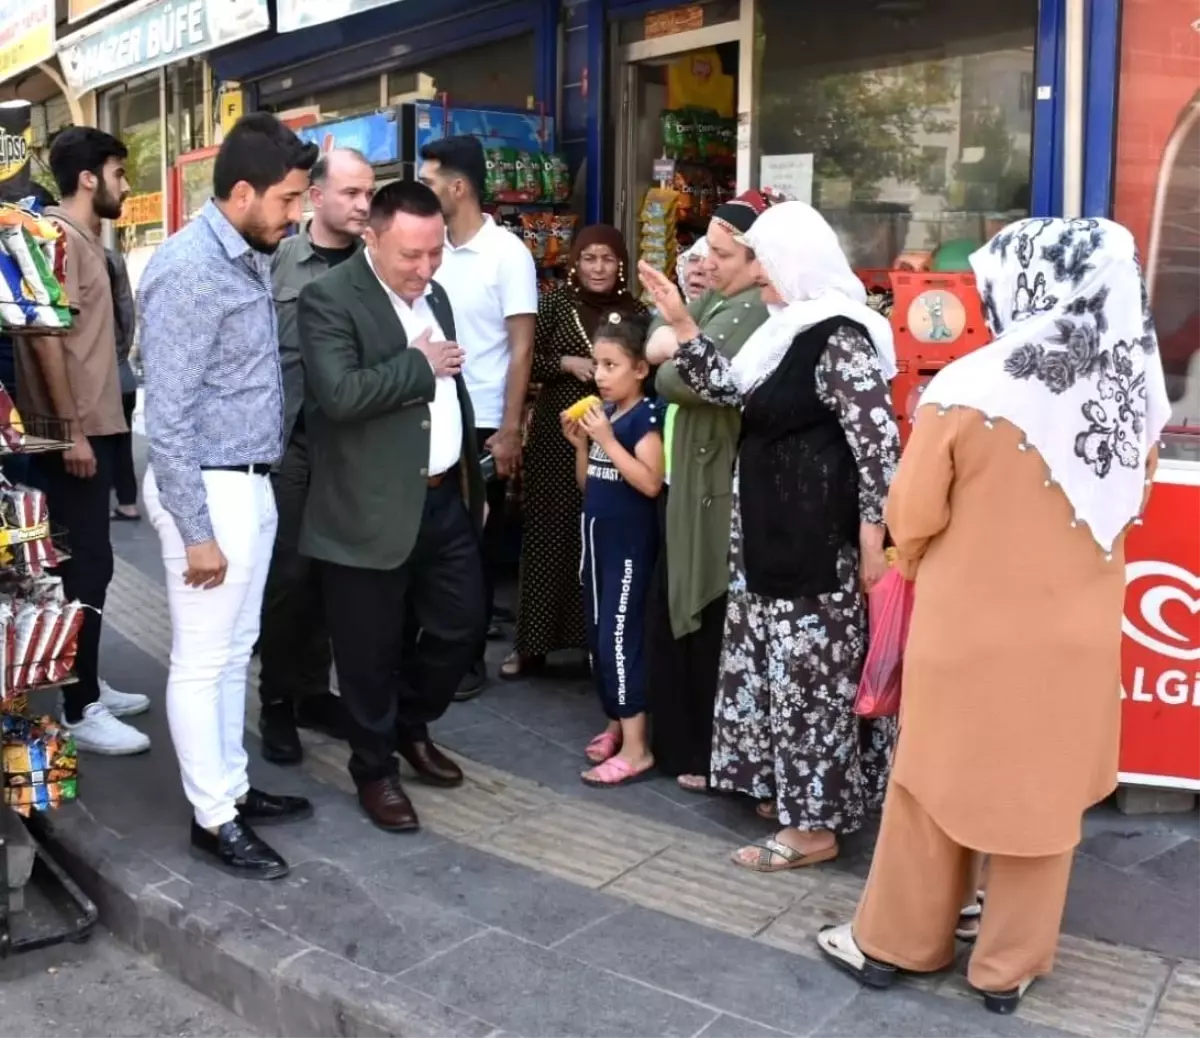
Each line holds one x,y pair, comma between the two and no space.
614,772
601,748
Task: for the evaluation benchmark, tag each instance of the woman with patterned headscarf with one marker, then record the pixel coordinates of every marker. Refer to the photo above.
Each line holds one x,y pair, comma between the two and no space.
1029,460
550,611
686,610
816,453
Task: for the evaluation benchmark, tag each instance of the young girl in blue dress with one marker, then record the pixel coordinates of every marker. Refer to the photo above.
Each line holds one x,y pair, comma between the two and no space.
619,465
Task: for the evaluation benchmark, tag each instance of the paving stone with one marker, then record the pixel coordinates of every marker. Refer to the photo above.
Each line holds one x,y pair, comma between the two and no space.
583,845
1138,800
1178,867
901,1013
530,991
698,881
831,897
324,905
1128,908
324,994
1095,989
531,905
1178,1013
731,974
726,1026
1124,849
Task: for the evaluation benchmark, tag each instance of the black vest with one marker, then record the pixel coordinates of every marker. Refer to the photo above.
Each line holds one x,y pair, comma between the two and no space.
798,480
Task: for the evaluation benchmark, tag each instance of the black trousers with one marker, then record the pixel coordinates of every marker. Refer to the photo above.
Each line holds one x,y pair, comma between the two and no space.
82,507
124,479
293,645
392,695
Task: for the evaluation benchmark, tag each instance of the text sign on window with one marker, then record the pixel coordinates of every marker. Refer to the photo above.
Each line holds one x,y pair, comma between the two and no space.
678,19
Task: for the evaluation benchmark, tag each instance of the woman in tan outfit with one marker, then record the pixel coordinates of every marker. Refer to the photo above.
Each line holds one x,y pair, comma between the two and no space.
1029,459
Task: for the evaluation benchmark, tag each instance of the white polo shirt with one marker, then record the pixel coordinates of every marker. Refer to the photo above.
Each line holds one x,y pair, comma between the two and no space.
490,278
445,416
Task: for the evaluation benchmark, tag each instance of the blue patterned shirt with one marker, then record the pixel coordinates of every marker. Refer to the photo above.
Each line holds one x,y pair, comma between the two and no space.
210,345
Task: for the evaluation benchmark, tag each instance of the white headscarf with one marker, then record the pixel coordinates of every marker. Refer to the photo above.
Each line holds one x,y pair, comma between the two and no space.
800,253
696,254
1075,363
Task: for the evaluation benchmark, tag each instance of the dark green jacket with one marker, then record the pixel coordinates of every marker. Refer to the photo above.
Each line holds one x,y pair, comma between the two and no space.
293,266
366,415
704,442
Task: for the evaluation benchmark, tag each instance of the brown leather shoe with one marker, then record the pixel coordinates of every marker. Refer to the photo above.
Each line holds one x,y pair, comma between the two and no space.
388,806
432,766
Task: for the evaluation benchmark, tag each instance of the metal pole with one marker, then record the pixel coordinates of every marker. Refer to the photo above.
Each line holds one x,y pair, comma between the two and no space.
1074,104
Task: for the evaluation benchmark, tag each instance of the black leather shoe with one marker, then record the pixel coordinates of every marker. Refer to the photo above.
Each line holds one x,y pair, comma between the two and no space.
324,713
432,766
280,740
472,685
266,808
388,806
235,848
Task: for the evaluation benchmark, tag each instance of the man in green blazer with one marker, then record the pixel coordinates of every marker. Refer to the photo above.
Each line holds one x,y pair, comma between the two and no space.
395,501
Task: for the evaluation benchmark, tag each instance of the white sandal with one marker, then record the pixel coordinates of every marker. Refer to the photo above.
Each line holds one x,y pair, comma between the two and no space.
839,946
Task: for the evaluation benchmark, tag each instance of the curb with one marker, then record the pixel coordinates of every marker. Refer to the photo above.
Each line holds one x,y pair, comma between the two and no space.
276,983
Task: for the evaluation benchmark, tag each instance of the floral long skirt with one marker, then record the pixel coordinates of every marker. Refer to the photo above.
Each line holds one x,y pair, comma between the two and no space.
784,724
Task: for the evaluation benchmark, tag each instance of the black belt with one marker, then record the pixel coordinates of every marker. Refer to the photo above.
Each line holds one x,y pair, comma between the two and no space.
254,468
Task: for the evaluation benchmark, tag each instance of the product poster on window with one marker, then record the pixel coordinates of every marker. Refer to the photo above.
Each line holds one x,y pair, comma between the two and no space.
1157,195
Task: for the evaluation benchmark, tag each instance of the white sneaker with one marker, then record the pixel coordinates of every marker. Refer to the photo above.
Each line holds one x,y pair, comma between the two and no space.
122,704
99,732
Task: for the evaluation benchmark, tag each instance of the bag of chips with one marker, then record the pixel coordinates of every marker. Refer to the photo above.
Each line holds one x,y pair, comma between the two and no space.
500,172
39,764
556,178
527,178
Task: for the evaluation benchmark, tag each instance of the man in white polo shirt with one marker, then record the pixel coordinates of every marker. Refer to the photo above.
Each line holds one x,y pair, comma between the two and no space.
491,279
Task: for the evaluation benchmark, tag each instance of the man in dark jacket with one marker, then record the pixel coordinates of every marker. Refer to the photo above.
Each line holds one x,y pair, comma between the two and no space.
396,496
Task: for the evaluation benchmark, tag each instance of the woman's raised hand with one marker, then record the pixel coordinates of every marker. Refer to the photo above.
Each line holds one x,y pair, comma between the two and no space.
667,300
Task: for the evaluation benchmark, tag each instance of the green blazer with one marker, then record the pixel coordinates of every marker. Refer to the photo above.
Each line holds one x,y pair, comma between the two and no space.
366,416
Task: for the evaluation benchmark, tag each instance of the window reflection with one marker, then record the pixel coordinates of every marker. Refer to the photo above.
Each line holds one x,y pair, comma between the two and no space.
918,115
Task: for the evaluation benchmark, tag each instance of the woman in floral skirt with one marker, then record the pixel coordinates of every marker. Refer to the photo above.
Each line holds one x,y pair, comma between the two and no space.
818,449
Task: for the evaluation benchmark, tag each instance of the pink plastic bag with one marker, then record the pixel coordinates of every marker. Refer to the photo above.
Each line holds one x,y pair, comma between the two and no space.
890,606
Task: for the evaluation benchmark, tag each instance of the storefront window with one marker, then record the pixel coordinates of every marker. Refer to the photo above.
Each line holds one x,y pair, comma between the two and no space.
133,113
500,74
1157,189
916,118
185,109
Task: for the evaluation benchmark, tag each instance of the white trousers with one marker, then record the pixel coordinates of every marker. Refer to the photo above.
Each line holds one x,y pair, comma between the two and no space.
212,636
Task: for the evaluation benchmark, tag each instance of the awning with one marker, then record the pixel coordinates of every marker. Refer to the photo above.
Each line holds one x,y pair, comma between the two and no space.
300,14
148,34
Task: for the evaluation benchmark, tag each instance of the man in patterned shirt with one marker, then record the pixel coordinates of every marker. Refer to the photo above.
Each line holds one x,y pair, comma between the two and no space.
214,418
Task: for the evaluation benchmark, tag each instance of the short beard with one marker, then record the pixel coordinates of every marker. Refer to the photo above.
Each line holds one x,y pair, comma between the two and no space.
253,235
104,205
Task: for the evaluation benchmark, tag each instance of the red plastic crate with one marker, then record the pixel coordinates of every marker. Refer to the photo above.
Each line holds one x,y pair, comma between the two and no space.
906,396
937,318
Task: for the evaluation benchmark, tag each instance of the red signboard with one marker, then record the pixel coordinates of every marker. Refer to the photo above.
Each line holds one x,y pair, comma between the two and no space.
1160,658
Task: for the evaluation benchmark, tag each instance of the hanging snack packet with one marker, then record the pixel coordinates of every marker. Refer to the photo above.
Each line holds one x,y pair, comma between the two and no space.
16,310
534,235
6,642
672,134
496,184
660,203
47,635
527,178
556,178
25,624
561,235
40,286
65,657
39,763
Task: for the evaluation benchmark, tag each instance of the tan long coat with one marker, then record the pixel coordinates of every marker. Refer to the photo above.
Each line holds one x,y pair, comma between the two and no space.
1010,716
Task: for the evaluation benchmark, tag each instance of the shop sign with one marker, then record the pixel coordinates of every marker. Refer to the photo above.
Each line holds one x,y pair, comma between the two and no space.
26,35
300,14
376,136
16,143
678,19
148,36
78,10
233,104
141,209
1160,656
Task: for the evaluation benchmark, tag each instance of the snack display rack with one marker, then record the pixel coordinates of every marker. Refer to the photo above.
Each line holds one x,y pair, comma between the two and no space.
39,627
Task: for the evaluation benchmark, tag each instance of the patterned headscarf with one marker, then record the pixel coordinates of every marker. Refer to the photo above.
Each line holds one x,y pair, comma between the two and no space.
1075,363
594,307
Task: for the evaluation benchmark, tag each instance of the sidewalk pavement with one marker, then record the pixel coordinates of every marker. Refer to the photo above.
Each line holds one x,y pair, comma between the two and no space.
532,905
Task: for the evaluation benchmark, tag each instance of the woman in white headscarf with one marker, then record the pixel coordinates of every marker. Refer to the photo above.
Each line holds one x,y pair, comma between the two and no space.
817,451
1029,460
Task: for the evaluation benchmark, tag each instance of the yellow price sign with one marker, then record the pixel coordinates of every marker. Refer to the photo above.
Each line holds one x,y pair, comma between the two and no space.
141,209
233,104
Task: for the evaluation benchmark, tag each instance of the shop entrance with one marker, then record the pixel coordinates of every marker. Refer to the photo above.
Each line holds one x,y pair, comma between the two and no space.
676,128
